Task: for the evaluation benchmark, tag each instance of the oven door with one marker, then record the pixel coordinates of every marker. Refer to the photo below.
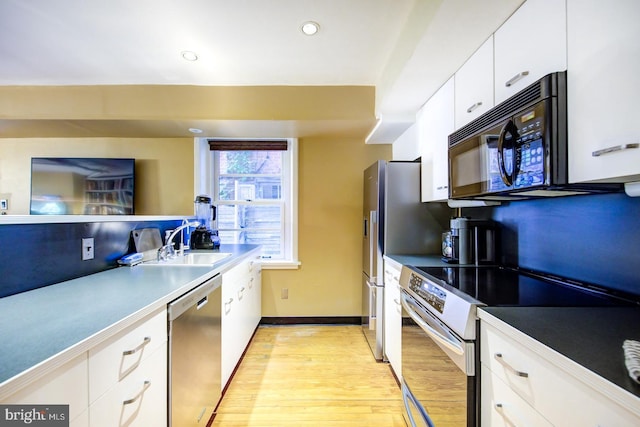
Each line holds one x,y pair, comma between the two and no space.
438,370
482,163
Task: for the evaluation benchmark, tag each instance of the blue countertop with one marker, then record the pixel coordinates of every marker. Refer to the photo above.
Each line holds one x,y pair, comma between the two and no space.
66,319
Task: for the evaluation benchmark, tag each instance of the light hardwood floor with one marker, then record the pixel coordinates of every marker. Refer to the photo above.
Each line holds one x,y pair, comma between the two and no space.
310,376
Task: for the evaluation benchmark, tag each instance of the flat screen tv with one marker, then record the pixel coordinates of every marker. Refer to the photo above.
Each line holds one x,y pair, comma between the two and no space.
82,186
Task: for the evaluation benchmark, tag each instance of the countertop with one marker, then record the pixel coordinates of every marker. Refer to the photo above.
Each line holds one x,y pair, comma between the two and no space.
419,260
45,327
590,336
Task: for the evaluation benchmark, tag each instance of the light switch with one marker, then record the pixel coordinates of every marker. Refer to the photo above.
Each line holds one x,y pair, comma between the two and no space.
87,248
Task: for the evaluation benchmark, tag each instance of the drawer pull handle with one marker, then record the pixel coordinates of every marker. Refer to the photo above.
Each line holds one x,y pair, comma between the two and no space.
498,357
146,385
500,410
145,341
395,300
474,106
230,301
613,149
515,78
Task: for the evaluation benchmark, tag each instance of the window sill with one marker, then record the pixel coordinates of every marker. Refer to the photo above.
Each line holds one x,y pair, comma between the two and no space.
280,265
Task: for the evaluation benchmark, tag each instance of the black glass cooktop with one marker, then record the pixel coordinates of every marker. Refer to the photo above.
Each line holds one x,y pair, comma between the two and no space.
498,286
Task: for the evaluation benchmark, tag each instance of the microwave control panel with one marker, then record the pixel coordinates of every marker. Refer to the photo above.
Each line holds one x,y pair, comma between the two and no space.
428,292
530,147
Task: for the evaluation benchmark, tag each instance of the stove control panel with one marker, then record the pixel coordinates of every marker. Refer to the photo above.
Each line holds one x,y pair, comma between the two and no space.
428,292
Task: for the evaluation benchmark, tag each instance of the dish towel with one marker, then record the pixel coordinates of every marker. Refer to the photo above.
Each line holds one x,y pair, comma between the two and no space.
632,358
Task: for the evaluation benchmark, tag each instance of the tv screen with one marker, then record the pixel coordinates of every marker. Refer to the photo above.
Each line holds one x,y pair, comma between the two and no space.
82,186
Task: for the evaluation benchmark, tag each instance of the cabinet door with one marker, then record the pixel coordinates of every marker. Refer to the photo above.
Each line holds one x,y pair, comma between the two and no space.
66,385
603,90
435,123
530,45
255,287
392,316
474,85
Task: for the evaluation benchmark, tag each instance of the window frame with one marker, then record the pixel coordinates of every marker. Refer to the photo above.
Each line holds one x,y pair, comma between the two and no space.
289,226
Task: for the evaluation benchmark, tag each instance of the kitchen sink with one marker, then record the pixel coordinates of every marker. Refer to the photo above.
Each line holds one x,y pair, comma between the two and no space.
192,259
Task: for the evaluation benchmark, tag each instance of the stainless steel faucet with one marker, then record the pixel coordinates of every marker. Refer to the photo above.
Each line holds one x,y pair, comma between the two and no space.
168,251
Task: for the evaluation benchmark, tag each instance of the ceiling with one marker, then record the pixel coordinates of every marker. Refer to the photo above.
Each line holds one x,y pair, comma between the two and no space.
405,48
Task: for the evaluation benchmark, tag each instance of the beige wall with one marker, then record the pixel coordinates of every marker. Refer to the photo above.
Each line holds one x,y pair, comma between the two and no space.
330,223
164,169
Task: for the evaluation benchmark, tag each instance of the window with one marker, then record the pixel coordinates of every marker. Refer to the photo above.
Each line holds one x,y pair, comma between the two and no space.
255,191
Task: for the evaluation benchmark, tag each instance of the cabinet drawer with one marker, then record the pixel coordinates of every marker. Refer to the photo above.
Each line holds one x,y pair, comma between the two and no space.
502,407
138,400
546,384
118,357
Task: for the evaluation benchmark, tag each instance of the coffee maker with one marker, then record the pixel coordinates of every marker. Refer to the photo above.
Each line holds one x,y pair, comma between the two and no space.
203,237
470,241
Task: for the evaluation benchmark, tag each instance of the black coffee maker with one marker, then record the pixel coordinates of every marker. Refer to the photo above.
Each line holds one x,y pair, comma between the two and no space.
203,237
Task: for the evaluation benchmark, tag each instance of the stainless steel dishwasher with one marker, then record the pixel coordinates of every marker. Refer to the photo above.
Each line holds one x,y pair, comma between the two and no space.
194,354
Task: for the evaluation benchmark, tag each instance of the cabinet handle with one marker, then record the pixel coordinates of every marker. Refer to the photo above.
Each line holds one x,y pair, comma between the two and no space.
515,78
396,301
251,283
229,302
145,386
145,341
241,293
498,357
474,106
500,409
613,149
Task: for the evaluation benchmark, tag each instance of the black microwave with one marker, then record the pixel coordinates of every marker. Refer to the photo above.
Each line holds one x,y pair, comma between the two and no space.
518,149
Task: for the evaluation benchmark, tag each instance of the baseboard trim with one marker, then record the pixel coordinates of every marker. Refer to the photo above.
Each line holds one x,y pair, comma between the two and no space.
313,320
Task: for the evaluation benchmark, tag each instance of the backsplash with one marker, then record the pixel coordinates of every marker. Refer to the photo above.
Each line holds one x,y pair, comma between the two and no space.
37,255
594,239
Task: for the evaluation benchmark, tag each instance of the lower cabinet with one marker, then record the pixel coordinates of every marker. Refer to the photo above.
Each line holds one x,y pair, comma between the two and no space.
128,376
393,315
66,385
523,382
241,312
120,382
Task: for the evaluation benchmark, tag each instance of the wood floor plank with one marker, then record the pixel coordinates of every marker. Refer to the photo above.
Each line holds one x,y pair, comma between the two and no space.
310,376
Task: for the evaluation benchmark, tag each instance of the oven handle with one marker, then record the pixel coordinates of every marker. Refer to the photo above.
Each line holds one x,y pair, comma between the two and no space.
429,329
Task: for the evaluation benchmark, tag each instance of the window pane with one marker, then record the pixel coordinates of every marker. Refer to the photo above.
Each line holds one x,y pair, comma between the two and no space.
270,240
250,187
249,216
251,162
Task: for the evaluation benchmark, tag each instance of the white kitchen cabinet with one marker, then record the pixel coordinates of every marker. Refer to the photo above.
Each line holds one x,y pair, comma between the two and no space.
138,400
603,91
524,382
393,315
435,122
241,312
474,85
128,375
66,385
530,45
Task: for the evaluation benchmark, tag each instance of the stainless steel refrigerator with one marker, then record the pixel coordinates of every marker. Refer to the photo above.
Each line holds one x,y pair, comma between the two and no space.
395,221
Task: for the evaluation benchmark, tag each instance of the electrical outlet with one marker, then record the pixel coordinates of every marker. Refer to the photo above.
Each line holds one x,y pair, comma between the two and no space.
4,204
87,248
284,293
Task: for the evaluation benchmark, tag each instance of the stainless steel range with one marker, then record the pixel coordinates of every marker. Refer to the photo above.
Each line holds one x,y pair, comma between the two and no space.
440,355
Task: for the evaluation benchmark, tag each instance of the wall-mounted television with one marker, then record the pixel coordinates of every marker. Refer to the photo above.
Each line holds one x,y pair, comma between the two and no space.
82,186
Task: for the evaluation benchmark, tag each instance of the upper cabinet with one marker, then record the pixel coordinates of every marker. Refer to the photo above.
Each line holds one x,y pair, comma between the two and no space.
435,122
603,91
474,85
530,45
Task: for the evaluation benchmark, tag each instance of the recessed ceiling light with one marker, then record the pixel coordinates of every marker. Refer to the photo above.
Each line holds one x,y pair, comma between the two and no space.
189,55
310,28
195,130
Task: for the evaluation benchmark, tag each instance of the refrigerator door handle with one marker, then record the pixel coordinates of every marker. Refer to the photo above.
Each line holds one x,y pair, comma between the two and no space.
373,312
373,246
